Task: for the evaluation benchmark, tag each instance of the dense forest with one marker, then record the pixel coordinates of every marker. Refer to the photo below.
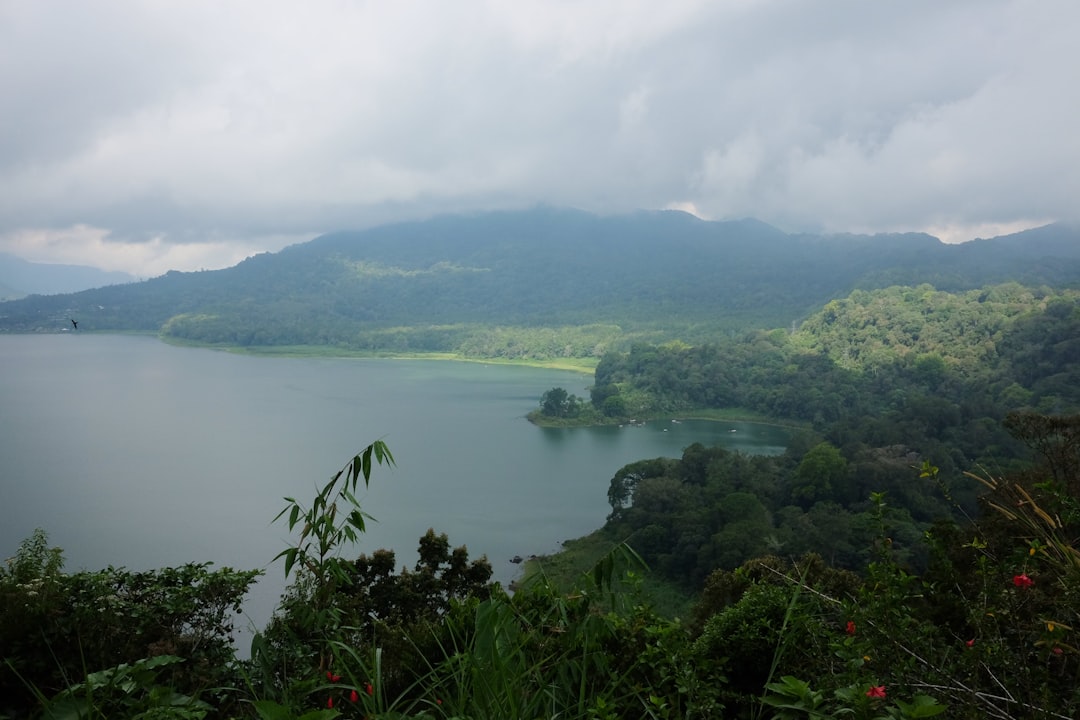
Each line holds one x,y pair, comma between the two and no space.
540,284
883,383
912,553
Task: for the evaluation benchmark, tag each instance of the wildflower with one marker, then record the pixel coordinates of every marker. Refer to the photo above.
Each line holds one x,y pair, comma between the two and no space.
438,701
354,696
330,703
332,677
866,658
970,643
1022,581
850,630
876,691
368,689
1057,651
1050,626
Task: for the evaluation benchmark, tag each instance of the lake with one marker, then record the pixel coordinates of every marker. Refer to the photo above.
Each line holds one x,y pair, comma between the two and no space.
135,453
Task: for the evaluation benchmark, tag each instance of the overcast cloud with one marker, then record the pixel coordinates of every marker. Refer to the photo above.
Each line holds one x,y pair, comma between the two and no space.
144,136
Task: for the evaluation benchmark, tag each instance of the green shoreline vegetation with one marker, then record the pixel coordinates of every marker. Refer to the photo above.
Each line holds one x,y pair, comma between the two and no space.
538,418
585,365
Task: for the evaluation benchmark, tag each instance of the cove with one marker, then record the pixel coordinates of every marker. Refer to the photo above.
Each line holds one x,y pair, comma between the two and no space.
131,452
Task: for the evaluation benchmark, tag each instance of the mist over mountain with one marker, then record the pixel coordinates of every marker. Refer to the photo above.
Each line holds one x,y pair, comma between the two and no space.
426,285
19,278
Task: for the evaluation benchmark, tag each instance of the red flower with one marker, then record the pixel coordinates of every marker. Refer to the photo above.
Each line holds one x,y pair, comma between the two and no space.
1022,581
330,702
877,691
368,689
438,701
970,643
850,628
354,696
1057,651
332,677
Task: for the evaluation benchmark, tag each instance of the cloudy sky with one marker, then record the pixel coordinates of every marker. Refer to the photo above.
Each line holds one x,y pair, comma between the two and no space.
148,136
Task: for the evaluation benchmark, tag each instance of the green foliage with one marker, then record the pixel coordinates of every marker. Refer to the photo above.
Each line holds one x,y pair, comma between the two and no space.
378,605
56,627
888,379
558,403
822,475
129,691
549,654
315,556
793,699
715,508
920,359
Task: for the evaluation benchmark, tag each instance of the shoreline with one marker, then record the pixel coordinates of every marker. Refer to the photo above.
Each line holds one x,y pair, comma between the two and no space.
583,366
702,414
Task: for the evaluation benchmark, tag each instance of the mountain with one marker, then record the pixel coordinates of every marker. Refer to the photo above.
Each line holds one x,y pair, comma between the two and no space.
443,284
19,278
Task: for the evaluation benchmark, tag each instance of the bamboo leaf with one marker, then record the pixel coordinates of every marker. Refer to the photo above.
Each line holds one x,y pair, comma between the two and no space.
329,486
290,560
355,465
356,519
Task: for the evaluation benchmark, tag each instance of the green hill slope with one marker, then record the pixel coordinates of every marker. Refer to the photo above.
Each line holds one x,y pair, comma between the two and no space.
443,284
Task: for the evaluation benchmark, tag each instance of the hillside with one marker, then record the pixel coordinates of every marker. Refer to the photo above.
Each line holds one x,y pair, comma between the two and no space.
443,284
19,278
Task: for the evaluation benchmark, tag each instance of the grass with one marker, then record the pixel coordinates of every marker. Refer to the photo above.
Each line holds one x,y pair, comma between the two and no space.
567,570
581,365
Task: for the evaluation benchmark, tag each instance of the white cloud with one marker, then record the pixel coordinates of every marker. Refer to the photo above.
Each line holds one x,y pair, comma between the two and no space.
224,125
82,245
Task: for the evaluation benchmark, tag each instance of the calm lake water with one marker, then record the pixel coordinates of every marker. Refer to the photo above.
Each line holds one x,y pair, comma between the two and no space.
135,453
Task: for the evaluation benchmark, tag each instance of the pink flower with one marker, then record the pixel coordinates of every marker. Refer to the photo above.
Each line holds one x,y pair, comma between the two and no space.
970,643
1022,581
850,630
877,691
1057,651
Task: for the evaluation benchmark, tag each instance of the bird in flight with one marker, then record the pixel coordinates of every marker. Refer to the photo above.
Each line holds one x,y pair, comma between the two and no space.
73,322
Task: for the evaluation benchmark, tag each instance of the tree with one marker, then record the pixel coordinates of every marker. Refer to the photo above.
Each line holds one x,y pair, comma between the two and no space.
821,475
378,592
556,402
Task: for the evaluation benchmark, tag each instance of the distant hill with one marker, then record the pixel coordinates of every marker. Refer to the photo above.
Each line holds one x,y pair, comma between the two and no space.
19,278
444,284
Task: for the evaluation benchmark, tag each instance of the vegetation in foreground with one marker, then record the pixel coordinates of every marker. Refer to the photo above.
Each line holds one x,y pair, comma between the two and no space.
987,630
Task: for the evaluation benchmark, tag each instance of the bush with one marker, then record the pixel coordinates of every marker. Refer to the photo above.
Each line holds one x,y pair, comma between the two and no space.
57,628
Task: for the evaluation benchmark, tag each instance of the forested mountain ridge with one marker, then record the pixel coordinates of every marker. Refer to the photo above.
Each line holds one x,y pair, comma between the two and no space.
444,284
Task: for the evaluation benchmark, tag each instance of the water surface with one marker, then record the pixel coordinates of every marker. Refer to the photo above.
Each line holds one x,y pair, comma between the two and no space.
135,453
